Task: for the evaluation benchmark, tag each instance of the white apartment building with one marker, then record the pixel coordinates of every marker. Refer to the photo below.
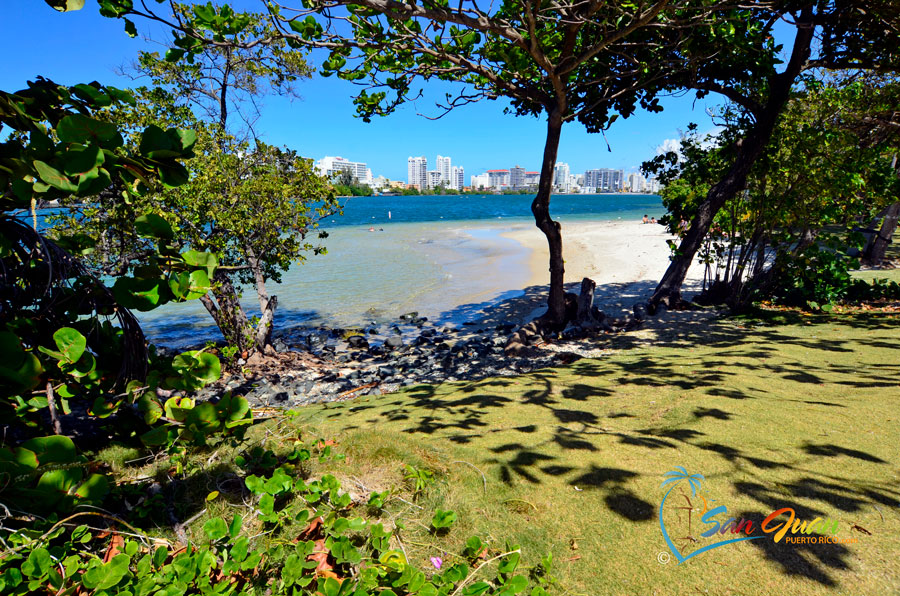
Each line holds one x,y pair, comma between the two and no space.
498,179
334,166
417,172
604,179
434,179
481,181
561,177
457,177
444,167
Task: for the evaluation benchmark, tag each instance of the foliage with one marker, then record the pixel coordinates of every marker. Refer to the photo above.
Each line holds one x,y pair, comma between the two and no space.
318,543
821,171
252,205
59,339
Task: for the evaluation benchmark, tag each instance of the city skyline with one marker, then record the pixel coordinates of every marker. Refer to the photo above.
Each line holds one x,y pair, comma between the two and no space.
451,176
83,46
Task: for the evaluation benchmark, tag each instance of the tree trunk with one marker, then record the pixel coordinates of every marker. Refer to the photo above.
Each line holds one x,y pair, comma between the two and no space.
748,151
555,317
874,253
585,302
229,315
267,305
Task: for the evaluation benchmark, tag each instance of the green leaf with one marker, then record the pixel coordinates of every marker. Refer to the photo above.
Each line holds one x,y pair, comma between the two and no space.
78,128
107,575
517,583
92,94
196,258
138,294
71,343
157,143
476,589
54,177
66,5
443,519
150,408
153,226
94,489
37,564
215,529
130,29
56,449
80,161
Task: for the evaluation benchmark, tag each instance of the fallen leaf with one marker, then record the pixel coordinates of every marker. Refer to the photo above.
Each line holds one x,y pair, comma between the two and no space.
115,546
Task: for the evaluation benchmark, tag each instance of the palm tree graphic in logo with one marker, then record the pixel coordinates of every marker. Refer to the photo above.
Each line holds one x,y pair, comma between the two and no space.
675,478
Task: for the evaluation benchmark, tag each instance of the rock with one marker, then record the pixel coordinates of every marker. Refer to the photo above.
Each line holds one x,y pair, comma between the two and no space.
394,341
386,371
358,341
427,333
410,316
640,311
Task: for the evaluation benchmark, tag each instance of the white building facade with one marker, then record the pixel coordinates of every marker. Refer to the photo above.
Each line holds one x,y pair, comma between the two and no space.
417,172
330,167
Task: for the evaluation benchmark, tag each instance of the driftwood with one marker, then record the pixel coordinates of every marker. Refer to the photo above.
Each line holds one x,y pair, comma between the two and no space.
580,310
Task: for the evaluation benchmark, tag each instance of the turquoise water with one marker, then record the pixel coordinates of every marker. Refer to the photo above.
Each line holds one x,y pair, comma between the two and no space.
442,256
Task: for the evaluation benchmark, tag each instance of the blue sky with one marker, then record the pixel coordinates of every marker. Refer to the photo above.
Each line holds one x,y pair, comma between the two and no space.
83,46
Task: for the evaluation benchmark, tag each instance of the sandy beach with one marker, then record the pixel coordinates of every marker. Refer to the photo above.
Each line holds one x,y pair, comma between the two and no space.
625,259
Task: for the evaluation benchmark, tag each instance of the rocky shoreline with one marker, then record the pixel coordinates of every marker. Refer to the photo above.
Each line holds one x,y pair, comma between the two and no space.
309,366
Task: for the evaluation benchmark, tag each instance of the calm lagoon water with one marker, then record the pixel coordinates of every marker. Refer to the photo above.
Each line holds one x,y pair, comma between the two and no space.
442,256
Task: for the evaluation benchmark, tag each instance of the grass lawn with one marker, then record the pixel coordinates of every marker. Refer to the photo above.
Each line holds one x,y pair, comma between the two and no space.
797,411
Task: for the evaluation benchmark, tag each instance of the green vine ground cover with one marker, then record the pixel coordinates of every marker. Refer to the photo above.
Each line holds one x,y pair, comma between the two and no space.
781,409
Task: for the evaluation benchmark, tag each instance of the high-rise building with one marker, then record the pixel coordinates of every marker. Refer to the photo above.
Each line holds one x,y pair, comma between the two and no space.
334,166
433,179
636,182
416,172
532,179
444,168
604,179
561,177
517,177
498,179
457,178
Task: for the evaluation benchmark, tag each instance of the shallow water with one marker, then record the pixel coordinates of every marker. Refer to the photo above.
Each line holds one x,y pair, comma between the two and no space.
445,269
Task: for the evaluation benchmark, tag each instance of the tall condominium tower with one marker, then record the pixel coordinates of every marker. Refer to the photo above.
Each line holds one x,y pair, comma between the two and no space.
444,168
517,177
416,171
561,176
457,178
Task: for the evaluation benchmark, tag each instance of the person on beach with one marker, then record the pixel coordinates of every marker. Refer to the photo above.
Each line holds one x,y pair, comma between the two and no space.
652,220
645,220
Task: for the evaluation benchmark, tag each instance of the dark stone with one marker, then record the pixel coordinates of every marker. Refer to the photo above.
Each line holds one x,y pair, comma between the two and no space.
640,311
386,371
410,316
357,341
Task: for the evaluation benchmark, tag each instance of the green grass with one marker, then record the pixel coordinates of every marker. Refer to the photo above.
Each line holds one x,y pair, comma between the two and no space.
789,411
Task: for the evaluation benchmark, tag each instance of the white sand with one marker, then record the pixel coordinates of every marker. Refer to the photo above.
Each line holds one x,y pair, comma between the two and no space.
625,259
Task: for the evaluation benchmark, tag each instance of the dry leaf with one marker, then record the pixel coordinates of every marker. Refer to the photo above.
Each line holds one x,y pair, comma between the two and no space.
115,546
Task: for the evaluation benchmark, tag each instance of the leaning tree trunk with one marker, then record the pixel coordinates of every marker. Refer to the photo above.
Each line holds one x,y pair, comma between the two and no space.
748,151
267,305
877,246
555,317
229,315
